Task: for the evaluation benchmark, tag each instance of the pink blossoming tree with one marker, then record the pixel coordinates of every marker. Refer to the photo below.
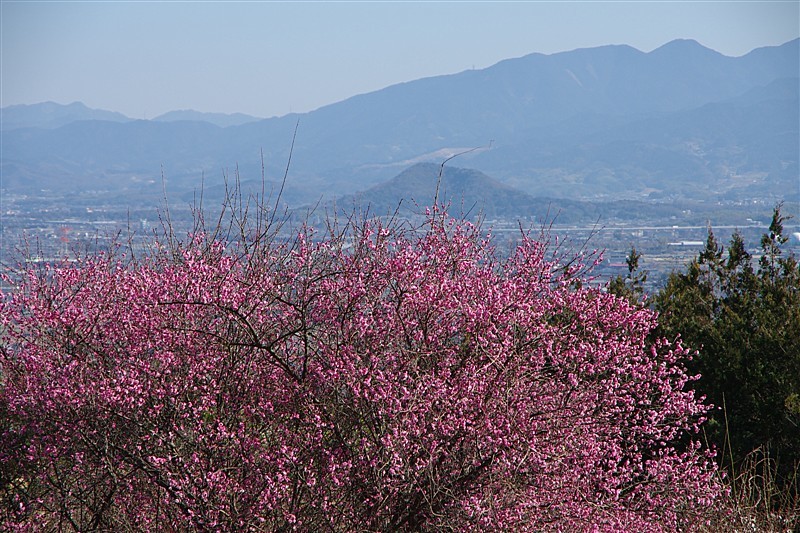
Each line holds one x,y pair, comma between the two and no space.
374,379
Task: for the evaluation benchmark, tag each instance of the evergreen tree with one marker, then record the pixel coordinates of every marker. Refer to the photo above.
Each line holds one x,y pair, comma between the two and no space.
631,287
746,328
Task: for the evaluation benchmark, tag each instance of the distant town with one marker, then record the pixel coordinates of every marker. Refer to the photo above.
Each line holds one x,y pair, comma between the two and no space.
49,230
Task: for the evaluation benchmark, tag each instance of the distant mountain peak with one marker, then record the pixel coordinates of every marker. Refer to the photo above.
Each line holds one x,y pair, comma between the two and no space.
683,47
219,119
463,188
682,42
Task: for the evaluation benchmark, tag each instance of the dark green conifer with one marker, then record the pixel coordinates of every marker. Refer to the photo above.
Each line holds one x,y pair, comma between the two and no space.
746,328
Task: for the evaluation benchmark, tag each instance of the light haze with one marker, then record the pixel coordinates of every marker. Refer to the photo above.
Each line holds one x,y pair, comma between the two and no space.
272,58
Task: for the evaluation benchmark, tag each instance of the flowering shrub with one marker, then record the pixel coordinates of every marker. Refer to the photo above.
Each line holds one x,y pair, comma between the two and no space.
379,380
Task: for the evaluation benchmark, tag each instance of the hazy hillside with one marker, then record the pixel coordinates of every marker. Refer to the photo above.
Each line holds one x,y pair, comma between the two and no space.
218,119
473,193
608,122
465,189
736,148
51,115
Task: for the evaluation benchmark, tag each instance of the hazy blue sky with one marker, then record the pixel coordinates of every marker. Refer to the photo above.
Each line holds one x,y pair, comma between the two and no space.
270,58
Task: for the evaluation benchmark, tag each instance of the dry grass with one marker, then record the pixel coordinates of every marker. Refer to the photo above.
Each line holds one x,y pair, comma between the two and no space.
757,502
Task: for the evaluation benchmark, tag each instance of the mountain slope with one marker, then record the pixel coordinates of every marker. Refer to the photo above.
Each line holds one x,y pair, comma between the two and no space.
474,194
418,186
50,115
609,121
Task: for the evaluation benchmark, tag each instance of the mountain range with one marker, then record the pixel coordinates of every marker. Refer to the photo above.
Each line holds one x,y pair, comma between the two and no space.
607,123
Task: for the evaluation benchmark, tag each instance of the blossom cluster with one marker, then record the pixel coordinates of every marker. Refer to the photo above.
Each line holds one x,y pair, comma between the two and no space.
382,380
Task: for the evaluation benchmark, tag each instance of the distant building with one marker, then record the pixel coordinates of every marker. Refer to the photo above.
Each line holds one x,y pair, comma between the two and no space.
687,243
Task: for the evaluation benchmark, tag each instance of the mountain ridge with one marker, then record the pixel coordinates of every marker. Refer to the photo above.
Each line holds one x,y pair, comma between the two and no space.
600,121
51,115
